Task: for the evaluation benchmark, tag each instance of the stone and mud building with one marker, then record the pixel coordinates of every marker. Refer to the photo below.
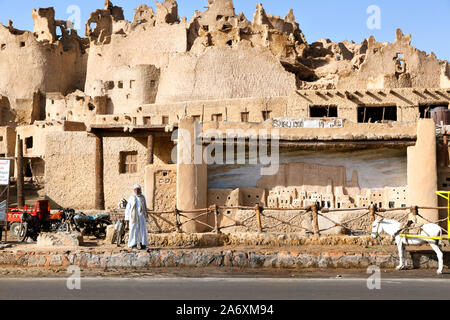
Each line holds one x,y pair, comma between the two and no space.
99,113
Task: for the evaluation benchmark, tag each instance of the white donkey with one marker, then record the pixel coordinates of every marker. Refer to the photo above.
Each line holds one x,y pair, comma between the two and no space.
393,228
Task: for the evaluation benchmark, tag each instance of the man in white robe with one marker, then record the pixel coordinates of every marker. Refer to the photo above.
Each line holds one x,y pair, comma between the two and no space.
136,216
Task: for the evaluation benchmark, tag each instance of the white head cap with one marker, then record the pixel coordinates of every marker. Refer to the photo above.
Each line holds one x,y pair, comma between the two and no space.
136,186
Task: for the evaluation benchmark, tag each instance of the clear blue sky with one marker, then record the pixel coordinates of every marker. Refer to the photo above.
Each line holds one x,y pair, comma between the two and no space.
428,21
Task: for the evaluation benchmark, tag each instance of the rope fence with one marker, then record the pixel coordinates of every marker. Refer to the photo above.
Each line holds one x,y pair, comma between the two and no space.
215,219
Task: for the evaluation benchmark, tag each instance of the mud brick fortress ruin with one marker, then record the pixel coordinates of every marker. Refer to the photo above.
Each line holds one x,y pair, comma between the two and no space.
98,114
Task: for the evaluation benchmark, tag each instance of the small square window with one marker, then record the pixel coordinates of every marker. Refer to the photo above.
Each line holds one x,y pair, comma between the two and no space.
217,117
165,120
266,115
128,162
120,84
147,121
244,116
29,142
109,85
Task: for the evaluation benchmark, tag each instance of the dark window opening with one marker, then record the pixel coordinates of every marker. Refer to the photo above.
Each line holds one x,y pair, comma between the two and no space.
28,172
425,110
22,44
391,204
120,84
29,142
128,162
244,116
165,120
376,114
147,121
323,112
109,85
266,115
229,42
3,46
91,107
217,117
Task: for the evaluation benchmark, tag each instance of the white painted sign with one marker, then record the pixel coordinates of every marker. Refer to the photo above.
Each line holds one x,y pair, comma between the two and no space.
5,165
308,123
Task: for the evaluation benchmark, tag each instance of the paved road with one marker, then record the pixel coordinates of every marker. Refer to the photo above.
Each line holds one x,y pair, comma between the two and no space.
224,288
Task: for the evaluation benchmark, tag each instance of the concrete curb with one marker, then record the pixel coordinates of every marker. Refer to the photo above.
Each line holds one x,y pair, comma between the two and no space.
200,258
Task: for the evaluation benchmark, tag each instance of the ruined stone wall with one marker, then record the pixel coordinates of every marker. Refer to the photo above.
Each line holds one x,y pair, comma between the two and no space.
43,67
7,142
143,46
126,87
34,136
203,110
76,106
222,73
395,65
298,104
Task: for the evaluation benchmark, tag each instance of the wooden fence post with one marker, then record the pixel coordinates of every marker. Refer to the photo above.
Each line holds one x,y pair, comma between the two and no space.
177,217
415,211
216,218
315,214
258,217
372,211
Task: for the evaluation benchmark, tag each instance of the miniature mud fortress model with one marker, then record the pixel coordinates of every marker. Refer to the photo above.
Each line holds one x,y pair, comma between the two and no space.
97,115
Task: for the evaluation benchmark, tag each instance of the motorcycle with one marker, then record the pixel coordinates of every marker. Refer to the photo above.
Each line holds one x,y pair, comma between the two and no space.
88,225
29,228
